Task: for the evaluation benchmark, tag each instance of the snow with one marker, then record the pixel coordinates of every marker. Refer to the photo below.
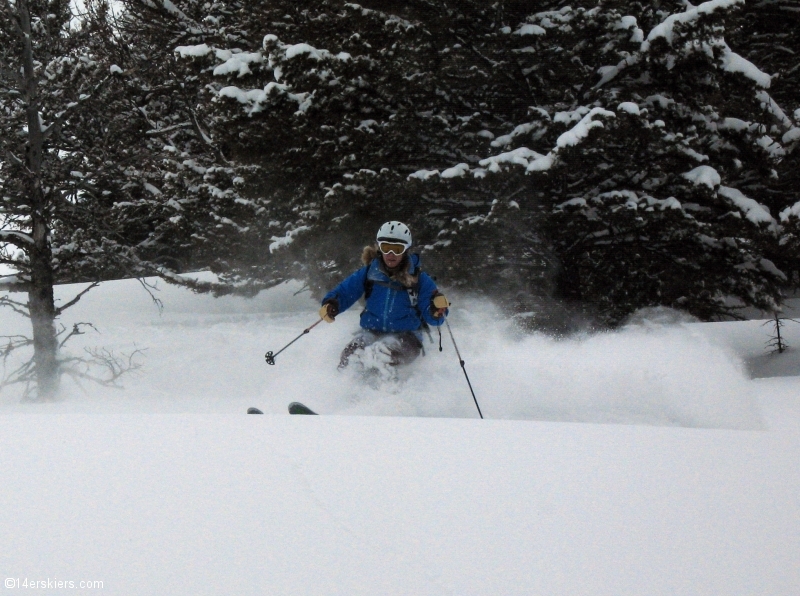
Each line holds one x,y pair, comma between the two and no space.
540,164
193,51
571,116
253,98
666,28
770,146
536,162
279,242
629,107
704,175
521,129
773,108
302,49
792,135
16,237
238,64
692,153
793,211
456,171
581,130
530,29
733,62
754,211
423,174
520,156
770,267
607,73
172,8
151,189
735,124
661,459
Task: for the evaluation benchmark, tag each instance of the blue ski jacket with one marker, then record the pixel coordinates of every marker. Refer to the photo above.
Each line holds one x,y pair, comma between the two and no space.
390,307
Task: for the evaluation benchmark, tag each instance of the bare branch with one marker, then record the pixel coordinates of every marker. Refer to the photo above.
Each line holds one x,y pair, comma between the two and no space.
20,308
149,288
24,374
76,299
15,160
205,137
160,131
114,366
14,342
76,330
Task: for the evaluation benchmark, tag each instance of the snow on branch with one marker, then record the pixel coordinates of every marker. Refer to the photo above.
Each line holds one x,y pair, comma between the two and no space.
703,176
773,108
236,63
196,51
790,212
19,239
632,200
531,160
530,29
729,60
792,135
521,156
281,241
581,130
733,62
666,29
753,210
301,49
274,52
255,98
15,283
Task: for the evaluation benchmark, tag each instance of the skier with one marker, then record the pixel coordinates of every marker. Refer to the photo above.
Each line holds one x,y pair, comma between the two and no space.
400,299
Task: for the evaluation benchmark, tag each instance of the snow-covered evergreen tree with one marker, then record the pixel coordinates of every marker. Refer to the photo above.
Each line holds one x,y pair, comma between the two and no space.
622,150
768,34
328,116
73,168
657,144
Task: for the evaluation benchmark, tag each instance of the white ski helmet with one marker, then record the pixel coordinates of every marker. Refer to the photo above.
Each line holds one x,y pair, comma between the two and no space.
394,231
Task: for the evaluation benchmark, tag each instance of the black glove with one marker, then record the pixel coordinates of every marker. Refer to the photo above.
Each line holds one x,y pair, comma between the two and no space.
329,310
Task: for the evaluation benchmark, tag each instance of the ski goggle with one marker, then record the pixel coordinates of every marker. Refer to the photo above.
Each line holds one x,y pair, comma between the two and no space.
395,248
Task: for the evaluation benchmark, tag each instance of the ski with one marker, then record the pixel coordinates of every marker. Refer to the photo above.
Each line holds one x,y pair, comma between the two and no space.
297,408
254,411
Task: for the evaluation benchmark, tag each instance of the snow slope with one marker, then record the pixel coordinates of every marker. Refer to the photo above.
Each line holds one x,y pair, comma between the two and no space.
641,462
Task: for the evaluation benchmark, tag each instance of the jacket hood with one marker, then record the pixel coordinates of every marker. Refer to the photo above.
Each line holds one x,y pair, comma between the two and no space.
407,275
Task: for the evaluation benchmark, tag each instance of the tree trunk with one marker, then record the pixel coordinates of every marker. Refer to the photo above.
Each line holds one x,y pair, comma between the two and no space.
41,306
40,297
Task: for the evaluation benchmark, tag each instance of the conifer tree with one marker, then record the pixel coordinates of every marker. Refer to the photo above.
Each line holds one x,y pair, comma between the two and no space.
657,158
73,172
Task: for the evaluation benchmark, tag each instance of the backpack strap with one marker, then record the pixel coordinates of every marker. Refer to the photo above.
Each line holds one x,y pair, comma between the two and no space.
413,295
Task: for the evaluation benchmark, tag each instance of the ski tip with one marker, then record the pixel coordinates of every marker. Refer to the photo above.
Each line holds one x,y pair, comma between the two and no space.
254,411
297,408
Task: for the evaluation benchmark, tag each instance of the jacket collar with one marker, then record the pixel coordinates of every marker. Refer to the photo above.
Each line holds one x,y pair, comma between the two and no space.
377,270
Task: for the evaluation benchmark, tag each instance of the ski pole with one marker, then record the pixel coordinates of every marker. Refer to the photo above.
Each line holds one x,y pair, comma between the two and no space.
461,362
270,357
